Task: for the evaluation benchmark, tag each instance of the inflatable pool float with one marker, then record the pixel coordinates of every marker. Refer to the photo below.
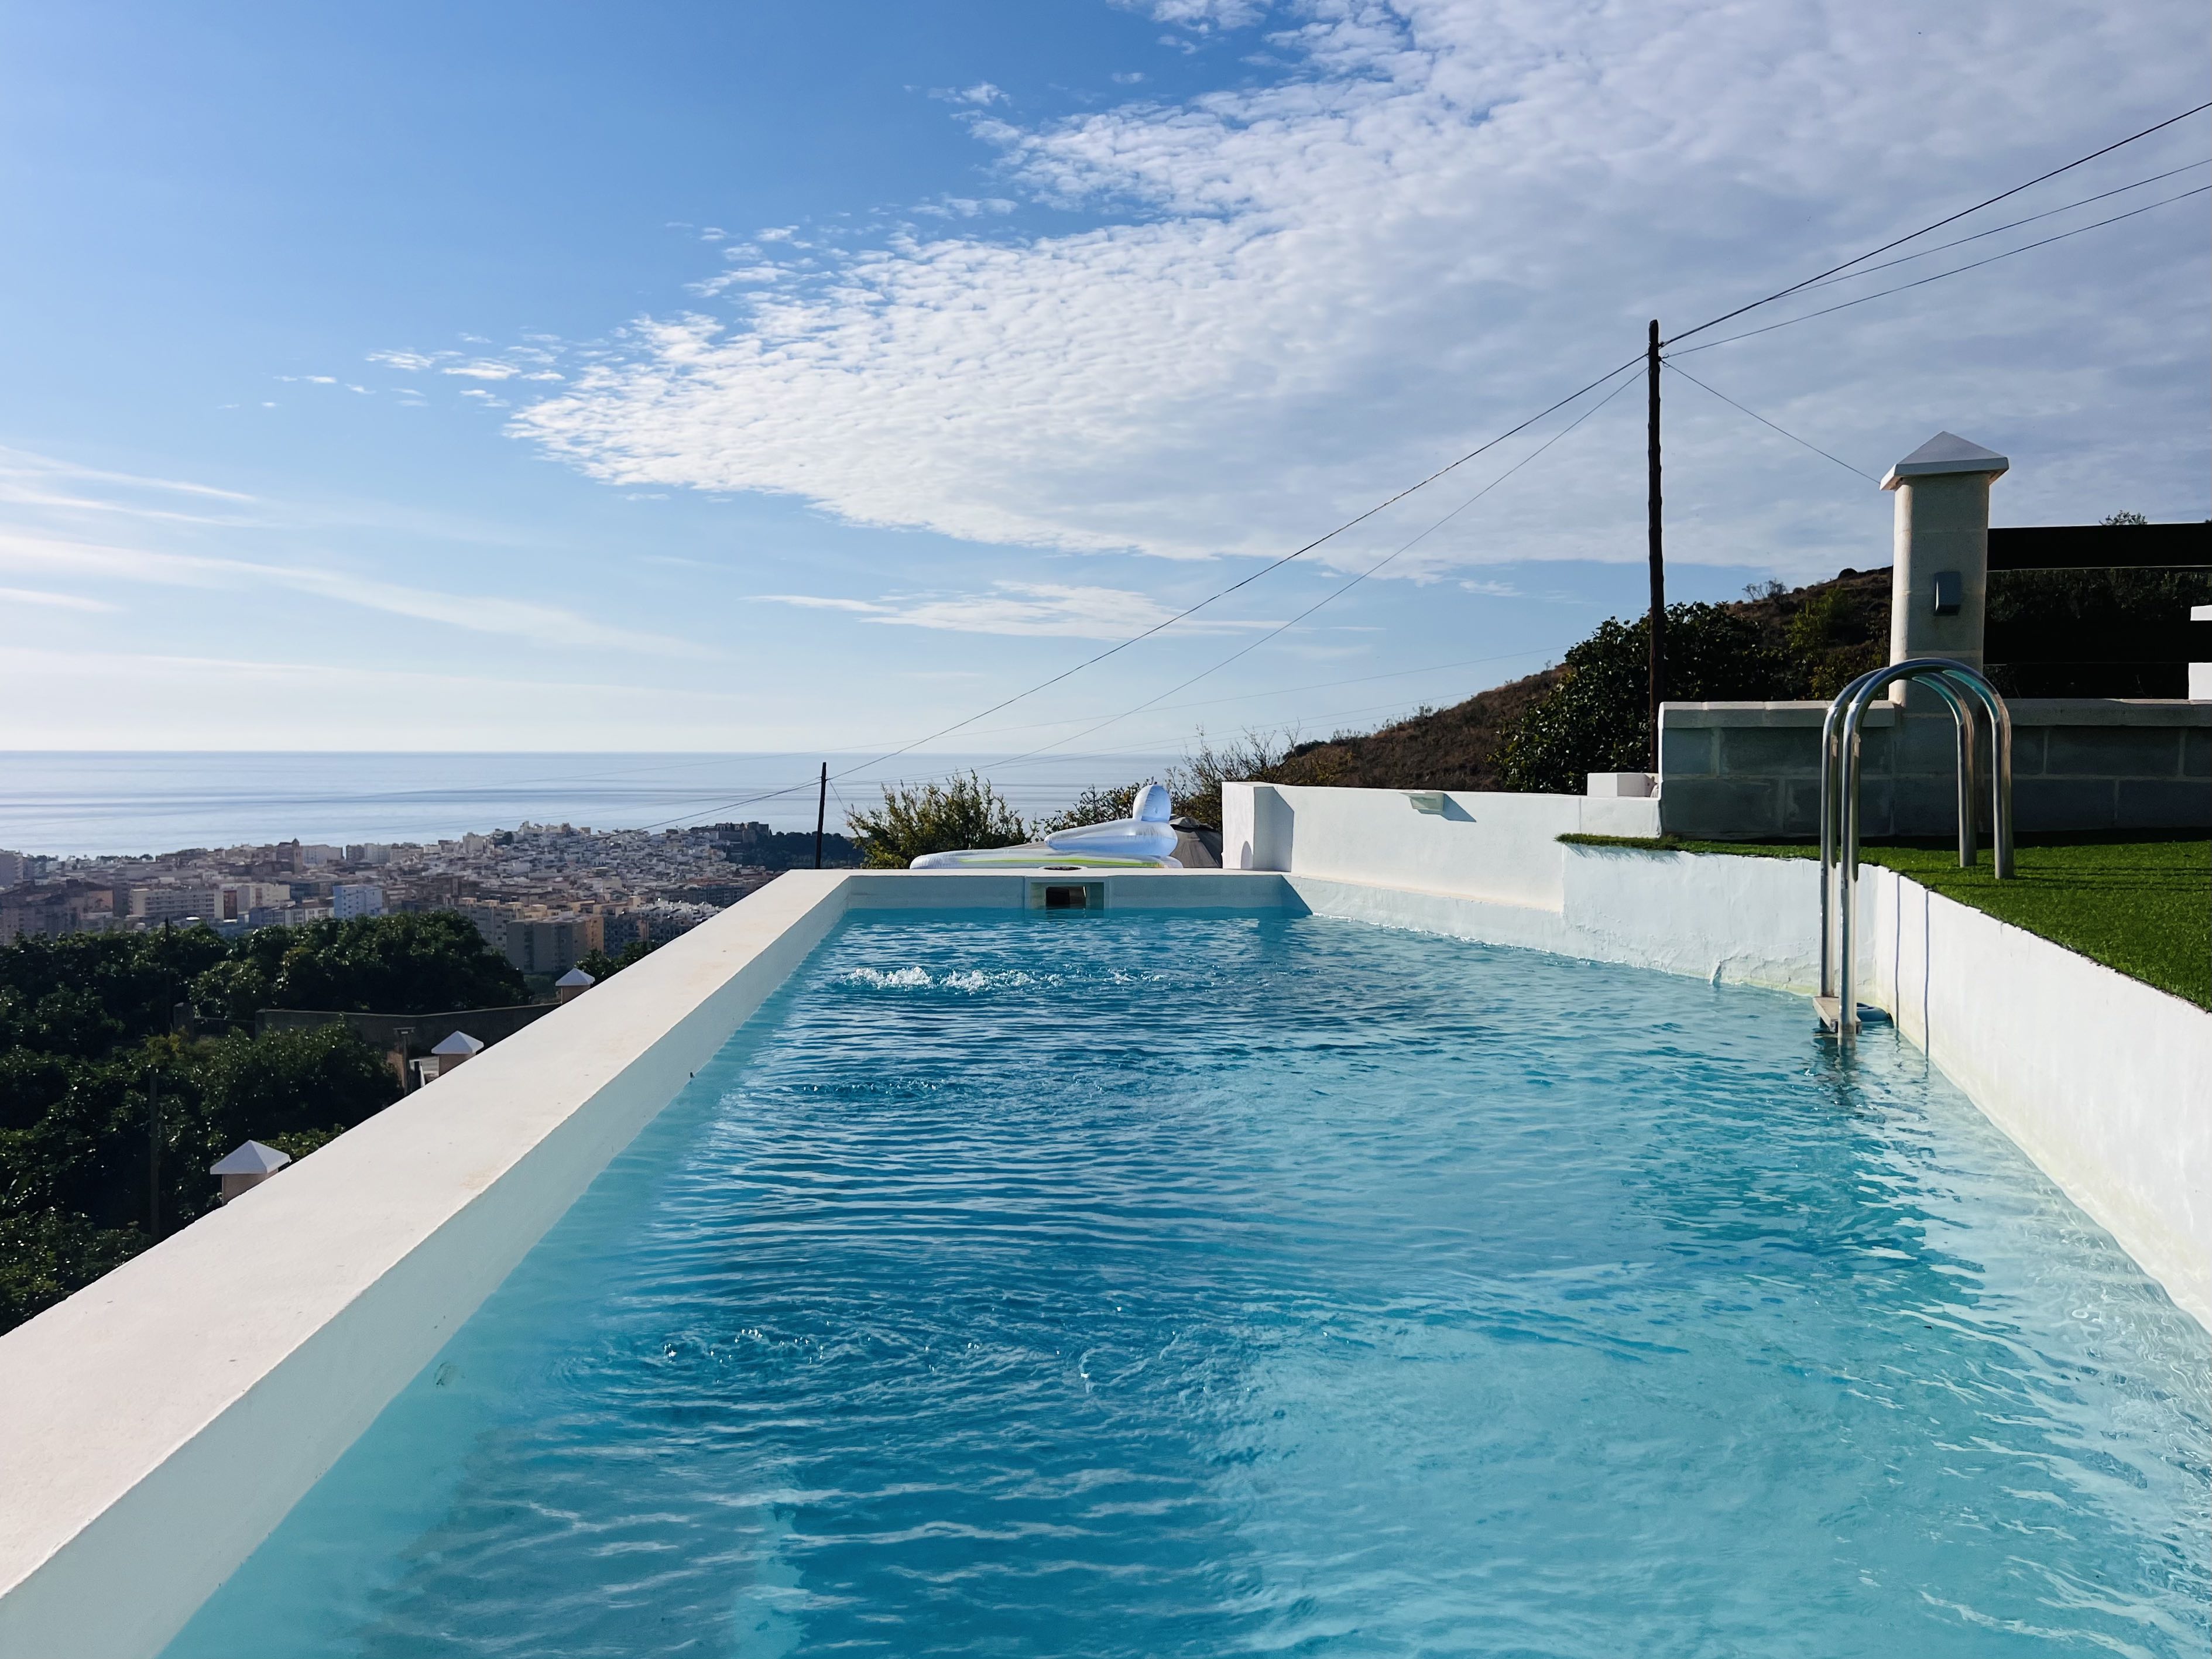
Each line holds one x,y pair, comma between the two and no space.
1143,841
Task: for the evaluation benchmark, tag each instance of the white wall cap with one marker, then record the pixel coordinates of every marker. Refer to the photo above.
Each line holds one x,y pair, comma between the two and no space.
573,976
1618,786
251,1158
1947,452
460,1043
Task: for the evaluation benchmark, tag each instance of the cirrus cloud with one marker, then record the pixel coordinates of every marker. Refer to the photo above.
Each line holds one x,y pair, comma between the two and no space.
1035,609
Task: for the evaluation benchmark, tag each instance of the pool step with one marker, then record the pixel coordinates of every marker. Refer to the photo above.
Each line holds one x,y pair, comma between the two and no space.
1826,1007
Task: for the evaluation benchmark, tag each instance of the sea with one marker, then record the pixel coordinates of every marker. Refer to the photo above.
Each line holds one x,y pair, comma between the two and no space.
65,804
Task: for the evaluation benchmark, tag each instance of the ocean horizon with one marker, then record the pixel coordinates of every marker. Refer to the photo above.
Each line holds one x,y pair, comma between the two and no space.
74,803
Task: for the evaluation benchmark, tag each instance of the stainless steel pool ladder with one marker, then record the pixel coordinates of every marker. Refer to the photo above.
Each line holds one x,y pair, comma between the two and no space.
1961,688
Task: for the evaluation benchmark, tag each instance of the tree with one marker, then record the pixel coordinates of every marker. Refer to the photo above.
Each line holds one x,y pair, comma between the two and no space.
44,1254
931,817
399,964
86,1048
600,965
1597,718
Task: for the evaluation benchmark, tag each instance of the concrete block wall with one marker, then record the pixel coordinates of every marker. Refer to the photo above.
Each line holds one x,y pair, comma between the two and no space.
1747,771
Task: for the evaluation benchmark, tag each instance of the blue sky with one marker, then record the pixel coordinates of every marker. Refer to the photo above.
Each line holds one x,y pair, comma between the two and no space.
739,378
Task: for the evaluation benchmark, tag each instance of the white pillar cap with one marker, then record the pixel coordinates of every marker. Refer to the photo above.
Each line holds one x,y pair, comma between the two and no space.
1947,452
251,1158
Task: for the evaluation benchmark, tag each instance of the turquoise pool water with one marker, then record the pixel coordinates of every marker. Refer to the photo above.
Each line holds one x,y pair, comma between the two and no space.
1139,1285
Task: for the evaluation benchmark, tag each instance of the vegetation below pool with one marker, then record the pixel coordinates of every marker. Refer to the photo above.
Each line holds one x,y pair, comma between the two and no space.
2139,903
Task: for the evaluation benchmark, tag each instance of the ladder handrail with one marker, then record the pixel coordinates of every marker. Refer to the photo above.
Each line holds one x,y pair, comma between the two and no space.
1856,697
1831,786
1839,802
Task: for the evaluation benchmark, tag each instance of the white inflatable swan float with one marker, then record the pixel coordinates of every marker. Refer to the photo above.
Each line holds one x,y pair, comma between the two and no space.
1143,841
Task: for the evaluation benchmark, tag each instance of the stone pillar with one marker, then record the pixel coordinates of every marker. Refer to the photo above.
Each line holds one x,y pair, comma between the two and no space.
1938,589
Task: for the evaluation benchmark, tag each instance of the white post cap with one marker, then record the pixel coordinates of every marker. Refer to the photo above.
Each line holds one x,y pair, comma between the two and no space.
460,1043
575,976
251,1158
1947,452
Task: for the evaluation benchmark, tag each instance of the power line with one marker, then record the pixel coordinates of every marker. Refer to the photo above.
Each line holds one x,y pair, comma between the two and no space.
2014,224
1328,598
1881,294
1947,220
1265,570
1276,565
1159,627
1203,702
1279,691
1339,593
1763,421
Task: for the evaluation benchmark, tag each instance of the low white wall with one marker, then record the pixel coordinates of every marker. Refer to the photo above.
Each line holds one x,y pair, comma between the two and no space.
1499,847
1492,867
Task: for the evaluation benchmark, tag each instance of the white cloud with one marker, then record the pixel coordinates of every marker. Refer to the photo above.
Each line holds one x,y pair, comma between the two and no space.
483,370
22,463
1444,216
1046,609
982,94
158,700
475,613
413,362
814,602
1207,14
60,601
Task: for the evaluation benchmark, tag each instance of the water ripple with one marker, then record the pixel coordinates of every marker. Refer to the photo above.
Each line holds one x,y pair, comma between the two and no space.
1191,1285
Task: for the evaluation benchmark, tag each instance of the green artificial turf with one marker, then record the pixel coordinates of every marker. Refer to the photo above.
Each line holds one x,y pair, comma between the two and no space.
2140,903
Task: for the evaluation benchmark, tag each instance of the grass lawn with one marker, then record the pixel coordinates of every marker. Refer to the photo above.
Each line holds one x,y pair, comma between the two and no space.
2140,903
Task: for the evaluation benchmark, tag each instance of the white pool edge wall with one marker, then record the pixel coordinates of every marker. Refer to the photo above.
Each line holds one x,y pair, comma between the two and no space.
2105,1082
155,1427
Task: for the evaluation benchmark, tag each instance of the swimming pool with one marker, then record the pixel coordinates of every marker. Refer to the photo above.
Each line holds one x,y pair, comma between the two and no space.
1047,1284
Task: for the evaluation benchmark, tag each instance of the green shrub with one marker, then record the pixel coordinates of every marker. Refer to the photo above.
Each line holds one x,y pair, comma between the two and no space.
1597,718
931,817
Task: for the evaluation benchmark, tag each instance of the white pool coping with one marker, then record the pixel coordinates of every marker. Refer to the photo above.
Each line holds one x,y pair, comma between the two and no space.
158,1424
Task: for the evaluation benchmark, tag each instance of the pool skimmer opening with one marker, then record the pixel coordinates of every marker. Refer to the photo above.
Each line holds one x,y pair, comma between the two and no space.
1048,895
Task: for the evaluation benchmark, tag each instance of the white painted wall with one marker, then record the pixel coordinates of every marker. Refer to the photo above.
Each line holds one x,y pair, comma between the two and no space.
1503,848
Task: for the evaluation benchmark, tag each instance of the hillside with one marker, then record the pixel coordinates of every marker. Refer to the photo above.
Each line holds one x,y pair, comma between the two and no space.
1829,628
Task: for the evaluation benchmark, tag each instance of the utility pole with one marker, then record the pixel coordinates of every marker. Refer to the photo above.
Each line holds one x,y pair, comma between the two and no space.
154,1152
1658,625
821,810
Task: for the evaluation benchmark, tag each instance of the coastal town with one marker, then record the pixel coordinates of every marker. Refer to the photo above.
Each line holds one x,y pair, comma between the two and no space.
544,895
